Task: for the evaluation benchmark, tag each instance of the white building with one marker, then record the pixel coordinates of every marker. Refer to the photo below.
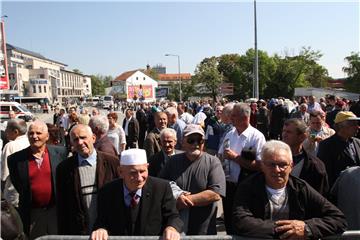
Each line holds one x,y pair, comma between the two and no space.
134,85
31,74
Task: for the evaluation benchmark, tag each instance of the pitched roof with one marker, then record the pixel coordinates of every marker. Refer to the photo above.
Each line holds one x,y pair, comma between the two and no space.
125,75
174,76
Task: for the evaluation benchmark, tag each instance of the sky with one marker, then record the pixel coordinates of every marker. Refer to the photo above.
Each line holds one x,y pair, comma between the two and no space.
112,37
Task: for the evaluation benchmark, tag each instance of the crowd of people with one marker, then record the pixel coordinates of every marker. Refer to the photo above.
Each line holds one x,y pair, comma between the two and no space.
172,169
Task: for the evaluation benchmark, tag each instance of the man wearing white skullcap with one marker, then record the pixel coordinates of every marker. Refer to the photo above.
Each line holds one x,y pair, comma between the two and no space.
136,204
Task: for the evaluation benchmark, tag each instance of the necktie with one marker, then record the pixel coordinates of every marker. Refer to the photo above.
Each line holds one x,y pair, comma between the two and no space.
134,199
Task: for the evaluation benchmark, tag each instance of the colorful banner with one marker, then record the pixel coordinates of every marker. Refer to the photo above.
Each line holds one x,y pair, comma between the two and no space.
4,79
140,92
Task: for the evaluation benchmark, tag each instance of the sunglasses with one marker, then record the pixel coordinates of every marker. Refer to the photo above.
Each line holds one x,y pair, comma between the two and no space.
192,141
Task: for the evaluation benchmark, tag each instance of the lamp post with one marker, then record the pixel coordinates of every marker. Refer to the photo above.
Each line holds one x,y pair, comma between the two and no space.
256,67
179,77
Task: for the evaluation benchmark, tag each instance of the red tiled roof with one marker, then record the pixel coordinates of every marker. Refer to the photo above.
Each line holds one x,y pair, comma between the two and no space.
174,76
125,75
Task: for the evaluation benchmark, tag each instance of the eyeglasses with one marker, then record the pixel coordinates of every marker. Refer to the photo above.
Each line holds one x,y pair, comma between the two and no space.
281,166
192,141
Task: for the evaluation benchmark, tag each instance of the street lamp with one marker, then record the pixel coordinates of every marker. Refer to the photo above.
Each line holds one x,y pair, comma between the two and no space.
256,67
179,77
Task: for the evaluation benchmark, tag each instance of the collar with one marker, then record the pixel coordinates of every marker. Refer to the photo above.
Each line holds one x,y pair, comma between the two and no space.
21,137
91,159
245,133
127,191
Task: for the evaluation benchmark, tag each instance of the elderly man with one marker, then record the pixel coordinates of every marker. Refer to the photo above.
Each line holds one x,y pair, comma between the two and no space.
32,171
136,204
175,123
214,131
274,204
78,180
16,133
305,166
199,174
152,140
313,105
302,113
341,150
183,115
317,132
238,163
168,141
99,125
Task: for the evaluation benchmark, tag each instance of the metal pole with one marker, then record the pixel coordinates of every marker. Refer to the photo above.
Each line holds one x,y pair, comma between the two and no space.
256,72
179,77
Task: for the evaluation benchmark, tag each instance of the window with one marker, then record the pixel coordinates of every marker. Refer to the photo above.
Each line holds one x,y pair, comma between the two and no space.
42,75
59,91
143,78
34,89
39,89
5,108
15,109
137,78
44,89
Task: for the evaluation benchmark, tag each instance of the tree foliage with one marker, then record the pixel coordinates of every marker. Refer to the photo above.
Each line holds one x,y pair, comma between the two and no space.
278,75
352,83
99,83
187,89
208,75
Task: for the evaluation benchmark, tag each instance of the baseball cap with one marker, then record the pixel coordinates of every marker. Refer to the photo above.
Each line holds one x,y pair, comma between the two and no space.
344,116
193,128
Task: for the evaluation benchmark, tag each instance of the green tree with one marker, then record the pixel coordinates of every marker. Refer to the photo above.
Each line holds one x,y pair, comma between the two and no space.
352,83
174,91
301,70
99,83
77,71
207,74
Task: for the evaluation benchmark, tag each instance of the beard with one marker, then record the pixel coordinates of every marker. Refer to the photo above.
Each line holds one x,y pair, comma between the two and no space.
194,153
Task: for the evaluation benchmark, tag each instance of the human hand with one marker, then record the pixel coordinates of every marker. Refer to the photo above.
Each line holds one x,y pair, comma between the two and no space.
290,229
183,201
99,234
230,154
318,139
170,233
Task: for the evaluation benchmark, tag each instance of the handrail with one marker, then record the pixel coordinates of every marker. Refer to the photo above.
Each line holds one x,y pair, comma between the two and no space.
348,235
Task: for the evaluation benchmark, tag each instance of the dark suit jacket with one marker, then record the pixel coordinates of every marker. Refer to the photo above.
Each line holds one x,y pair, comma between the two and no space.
105,145
251,219
332,151
157,209
314,173
72,217
133,132
19,175
157,162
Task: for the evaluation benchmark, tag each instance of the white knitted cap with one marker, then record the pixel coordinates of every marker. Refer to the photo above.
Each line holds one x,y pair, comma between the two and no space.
133,156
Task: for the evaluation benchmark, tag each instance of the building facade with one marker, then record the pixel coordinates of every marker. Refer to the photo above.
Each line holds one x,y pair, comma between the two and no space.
33,75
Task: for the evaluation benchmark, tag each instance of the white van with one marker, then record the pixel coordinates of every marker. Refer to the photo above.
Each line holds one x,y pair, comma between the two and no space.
107,102
20,111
